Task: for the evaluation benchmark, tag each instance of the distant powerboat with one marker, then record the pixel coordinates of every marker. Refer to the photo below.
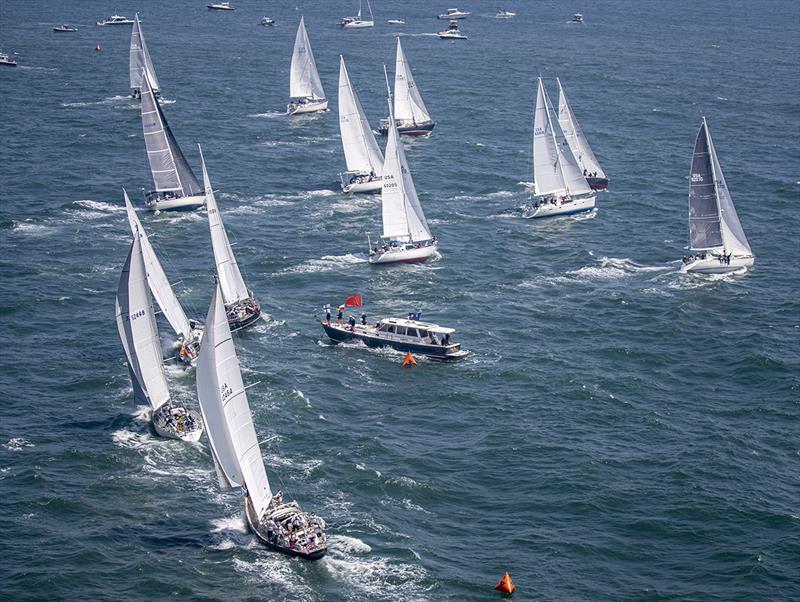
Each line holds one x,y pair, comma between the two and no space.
115,20
505,14
64,28
6,60
452,32
220,6
453,13
267,21
577,18
357,22
396,22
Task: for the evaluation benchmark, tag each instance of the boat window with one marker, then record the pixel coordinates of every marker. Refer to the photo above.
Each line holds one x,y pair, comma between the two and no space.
412,332
423,333
390,328
401,330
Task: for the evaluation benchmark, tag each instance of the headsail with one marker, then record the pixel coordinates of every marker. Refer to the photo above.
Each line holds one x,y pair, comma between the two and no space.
704,223
157,279
226,412
408,105
574,135
304,79
140,59
136,323
361,150
230,278
171,172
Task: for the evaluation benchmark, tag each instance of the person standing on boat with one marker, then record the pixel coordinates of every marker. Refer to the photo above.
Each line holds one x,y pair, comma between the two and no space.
339,316
327,309
364,319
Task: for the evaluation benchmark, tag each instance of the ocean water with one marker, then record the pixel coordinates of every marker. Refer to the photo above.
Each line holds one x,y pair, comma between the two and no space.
618,432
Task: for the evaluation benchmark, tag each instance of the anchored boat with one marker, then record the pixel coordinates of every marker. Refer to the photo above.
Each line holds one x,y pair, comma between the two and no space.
139,60
305,88
357,22
232,438
580,148
716,238
410,113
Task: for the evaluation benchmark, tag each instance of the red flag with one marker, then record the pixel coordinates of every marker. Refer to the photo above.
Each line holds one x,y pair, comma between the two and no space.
353,301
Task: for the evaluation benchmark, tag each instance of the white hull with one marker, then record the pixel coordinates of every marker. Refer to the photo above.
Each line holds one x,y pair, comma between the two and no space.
309,107
180,204
413,255
170,430
713,265
358,24
546,209
446,35
374,186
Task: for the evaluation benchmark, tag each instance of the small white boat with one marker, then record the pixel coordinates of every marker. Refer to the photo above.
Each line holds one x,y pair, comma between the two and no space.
578,144
220,6
267,21
452,32
305,88
410,113
396,22
505,14
139,61
64,28
453,13
717,243
357,22
577,18
6,60
115,20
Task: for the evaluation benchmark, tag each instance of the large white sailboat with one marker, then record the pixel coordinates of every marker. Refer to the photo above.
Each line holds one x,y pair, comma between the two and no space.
189,332
176,187
406,236
242,307
305,88
580,148
136,323
410,113
361,151
557,180
232,438
716,240
357,22
138,60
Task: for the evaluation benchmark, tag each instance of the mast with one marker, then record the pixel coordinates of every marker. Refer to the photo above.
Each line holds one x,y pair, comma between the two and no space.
139,58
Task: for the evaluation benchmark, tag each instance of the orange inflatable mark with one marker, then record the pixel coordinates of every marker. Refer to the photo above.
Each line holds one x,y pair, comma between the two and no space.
506,585
409,361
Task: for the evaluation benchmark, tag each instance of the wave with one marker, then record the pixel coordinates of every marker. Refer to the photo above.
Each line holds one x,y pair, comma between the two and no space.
30,228
269,115
99,205
17,444
326,263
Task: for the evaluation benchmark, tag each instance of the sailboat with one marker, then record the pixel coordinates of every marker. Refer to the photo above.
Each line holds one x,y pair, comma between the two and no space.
357,22
406,235
136,322
716,239
138,60
189,331
282,526
410,114
361,151
580,148
241,306
305,88
557,179
177,187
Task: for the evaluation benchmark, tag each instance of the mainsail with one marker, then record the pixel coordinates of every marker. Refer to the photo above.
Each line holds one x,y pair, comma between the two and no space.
140,59
171,172
408,105
226,413
304,80
157,279
403,218
361,150
230,278
574,135
136,323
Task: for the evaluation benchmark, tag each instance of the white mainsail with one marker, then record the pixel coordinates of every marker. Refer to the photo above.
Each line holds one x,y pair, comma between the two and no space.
136,323
140,59
574,135
403,218
361,150
230,278
226,412
408,105
157,279
304,79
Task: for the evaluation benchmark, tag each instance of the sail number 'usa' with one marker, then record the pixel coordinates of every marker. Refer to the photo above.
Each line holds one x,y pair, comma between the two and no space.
225,391
696,177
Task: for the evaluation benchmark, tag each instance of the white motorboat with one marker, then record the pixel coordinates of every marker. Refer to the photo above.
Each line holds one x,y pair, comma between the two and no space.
410,113
5,59
176,186
557,180
361,151
396,22
115,20
505,14
220,6
452,32
64,28
267,21
232,439
139,61
580,148
717,243
577,18
357,22
452,14
136,323
305,88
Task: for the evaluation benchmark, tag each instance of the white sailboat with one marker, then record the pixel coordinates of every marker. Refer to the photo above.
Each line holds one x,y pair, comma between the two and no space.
557,179
305,88
189,332
580,148
361,151
176,186
234,446
716,238
410,113
406,236
138,60
136,323
357,22
241,306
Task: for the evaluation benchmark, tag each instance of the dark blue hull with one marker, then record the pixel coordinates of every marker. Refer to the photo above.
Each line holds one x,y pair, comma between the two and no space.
338,335
597,183
415,130
245,322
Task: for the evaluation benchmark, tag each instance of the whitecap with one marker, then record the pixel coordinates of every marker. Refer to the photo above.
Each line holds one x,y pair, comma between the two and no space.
17,444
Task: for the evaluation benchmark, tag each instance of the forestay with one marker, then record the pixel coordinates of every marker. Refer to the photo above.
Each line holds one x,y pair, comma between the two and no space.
361,150
408,105
226,412
704,223
304,80
140,59
157,279
230,278
574,135
171,172
136,323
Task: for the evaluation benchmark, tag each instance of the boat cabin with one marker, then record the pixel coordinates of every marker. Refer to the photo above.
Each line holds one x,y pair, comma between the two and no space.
422,333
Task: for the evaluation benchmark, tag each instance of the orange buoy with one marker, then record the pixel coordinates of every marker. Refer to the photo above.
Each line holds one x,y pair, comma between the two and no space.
506,585
409,361
97,48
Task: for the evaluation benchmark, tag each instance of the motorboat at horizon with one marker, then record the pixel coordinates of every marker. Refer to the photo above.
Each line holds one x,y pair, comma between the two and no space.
452,14
505,14
411,116
139,61
305,88
220,6
115,20
357,22
64,28
452,32
267,21
396,22
5,59
578,144
577,18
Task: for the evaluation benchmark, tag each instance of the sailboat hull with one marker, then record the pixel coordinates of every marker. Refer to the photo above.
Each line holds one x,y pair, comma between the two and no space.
171,430
309,107
548,209
260,532
714,265
184,203
245,318
412,255
358,24
416,130
359,187
597,183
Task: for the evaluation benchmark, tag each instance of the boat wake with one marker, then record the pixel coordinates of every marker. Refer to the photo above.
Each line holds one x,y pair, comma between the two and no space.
17,444
106,101
269,115
99,205
327,263
612,268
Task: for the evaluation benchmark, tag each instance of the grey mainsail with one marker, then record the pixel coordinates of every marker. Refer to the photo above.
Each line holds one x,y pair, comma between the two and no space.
704,227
